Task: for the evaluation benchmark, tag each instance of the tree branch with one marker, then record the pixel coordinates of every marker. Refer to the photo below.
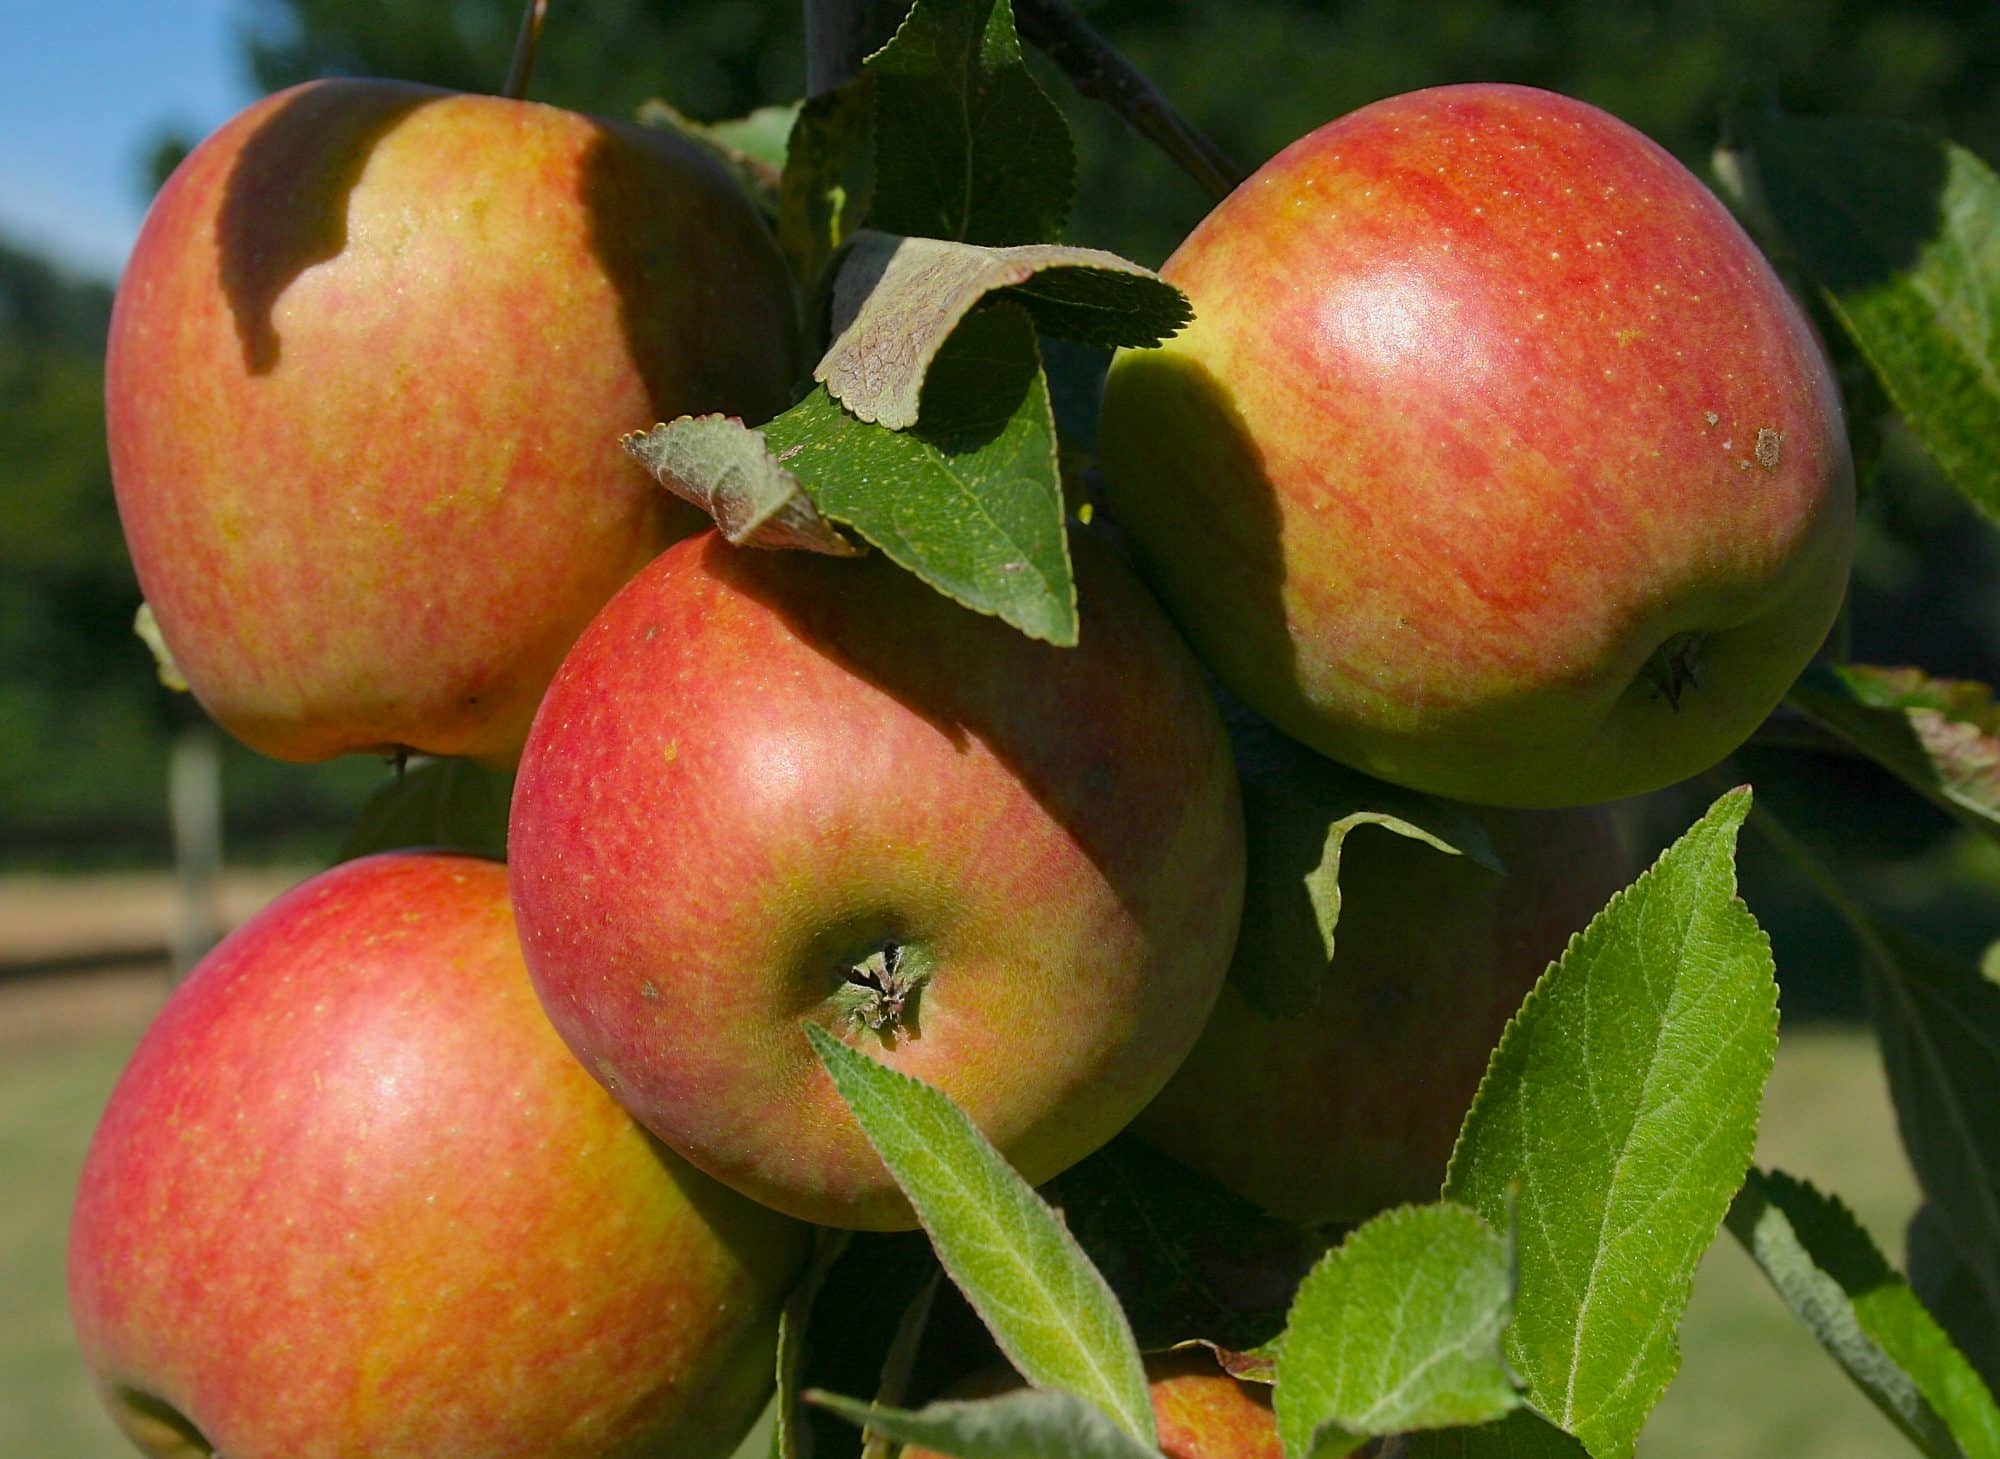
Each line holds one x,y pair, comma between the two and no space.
1099,72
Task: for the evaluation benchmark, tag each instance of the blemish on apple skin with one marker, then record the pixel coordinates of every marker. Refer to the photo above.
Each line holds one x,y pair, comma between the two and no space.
1770,444
671,751
1711,418
650,991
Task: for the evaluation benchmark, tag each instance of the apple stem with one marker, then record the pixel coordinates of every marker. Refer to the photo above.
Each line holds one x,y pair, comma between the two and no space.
526,43
1099,72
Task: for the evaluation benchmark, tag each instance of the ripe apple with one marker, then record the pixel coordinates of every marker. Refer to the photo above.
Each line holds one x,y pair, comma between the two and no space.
771,787
368,368
353,1196
1496,462
1352,1106
1201,1411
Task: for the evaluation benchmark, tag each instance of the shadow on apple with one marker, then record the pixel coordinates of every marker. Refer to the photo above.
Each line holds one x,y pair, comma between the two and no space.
1230,541
299,166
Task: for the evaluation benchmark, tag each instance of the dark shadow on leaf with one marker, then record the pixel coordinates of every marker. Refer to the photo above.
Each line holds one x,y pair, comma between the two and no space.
977,381
856,276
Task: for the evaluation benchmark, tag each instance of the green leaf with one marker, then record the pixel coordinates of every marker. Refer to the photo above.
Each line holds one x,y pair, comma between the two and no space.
829,177
1939,1025
794,1319
147,627
1617,1118
751,147
452,805
1052,1314
1187,1259
1901,230
762,135
1025,1424
1397,1329
1298,811
1520,1435
1943,1281
1827,1269
726,468
1939,736
968,145
970,500
896,300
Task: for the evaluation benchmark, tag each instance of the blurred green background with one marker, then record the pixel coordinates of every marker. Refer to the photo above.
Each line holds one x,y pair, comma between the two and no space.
85,727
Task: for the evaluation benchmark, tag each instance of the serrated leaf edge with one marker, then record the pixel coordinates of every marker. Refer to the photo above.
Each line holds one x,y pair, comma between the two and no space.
1140,1422
1683,1288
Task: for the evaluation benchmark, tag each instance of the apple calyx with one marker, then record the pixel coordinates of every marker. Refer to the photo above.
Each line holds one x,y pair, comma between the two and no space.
1671,669
876,991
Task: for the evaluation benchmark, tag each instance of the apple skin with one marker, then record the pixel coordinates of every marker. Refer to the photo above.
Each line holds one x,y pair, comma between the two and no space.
1201,1411
368,368
353,1196
757,769
1353,1106
1497,461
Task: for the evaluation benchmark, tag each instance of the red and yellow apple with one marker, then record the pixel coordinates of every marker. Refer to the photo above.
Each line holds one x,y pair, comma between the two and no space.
1496,462
353,1196
1201,1411
1352,1106
368,367
772,787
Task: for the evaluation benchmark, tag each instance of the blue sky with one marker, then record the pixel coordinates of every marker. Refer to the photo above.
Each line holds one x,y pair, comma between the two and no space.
84,86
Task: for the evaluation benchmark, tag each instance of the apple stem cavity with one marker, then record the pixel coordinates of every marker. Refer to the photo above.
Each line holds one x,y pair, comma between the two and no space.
1672,668
522,65
876,991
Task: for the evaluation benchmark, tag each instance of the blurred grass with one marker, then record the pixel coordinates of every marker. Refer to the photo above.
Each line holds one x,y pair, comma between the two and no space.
1753,1384
50,1097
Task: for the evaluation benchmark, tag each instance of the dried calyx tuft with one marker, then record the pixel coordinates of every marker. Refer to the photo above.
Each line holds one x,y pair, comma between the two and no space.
880,987
1671,669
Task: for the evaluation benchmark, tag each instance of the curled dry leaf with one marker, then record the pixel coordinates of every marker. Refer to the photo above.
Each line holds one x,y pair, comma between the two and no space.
725,468
897,300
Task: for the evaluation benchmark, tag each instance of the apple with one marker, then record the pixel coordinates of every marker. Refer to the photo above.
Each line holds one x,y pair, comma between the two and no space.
1351,1107
1201,1411
368,367
767,787
1497,461
353,1196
